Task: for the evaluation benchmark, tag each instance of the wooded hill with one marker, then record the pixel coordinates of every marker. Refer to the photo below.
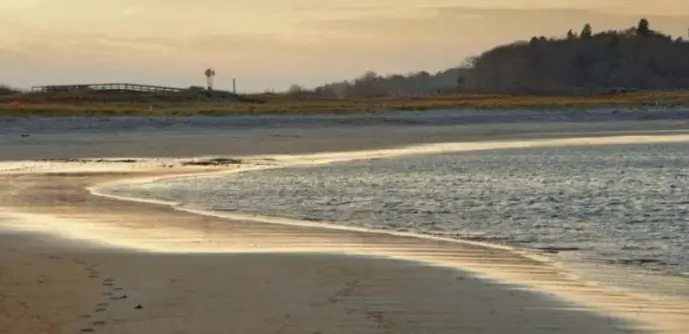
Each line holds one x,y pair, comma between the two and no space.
637,58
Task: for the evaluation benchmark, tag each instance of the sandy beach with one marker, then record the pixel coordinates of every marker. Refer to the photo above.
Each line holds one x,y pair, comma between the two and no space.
74,262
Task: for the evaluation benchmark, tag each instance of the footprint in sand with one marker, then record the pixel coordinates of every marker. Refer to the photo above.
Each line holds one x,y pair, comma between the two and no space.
87,330
93,273
100,309
103,304
98,323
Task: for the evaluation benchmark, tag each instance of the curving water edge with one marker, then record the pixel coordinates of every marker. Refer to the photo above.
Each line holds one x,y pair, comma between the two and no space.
635,279
118,236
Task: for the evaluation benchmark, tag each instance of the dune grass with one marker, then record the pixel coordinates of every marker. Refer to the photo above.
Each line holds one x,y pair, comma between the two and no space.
284,104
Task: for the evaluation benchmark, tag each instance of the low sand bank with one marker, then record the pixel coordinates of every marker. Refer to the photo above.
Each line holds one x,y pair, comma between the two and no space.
252,277
39,141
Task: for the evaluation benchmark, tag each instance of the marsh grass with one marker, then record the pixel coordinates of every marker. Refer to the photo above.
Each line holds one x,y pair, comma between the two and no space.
85,105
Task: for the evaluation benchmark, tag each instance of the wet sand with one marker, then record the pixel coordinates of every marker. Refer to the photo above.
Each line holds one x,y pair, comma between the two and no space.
265,278
81,271
72,291
269,278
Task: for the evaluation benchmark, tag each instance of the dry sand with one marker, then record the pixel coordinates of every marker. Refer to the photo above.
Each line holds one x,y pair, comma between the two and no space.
234,276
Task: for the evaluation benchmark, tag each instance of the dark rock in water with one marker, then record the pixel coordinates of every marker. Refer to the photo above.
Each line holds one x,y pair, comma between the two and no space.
638,261
556,250
214,162
125,161
25,135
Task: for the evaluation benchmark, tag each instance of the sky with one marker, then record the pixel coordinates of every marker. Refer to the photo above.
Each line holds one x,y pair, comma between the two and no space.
271,44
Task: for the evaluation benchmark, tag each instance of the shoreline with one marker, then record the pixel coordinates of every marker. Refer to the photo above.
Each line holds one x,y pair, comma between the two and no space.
317,159
508,266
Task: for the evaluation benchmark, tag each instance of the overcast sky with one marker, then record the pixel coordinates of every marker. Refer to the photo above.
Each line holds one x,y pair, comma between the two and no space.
274,43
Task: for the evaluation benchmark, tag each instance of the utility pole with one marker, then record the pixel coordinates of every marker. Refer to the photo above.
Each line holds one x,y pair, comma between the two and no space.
234,86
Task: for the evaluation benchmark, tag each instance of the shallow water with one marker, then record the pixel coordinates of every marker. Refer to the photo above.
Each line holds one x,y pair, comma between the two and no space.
624,204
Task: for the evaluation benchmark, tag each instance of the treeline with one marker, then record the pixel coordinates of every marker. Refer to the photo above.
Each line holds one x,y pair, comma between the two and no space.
8,91
635,58
580,63
372,85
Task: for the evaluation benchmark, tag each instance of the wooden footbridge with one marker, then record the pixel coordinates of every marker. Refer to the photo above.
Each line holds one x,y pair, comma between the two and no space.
106,87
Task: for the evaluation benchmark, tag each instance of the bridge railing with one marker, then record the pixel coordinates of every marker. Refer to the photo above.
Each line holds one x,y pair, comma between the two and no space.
117,87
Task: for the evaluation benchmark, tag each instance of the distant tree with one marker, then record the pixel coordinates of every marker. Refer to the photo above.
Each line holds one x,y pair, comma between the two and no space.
587,31
643,28
295,89
6,90
571,35
366,85
369,76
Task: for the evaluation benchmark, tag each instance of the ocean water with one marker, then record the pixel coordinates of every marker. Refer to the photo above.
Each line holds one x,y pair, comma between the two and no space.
621,204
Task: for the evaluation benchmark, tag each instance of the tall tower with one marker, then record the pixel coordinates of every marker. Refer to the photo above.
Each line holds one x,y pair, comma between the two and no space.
210,73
